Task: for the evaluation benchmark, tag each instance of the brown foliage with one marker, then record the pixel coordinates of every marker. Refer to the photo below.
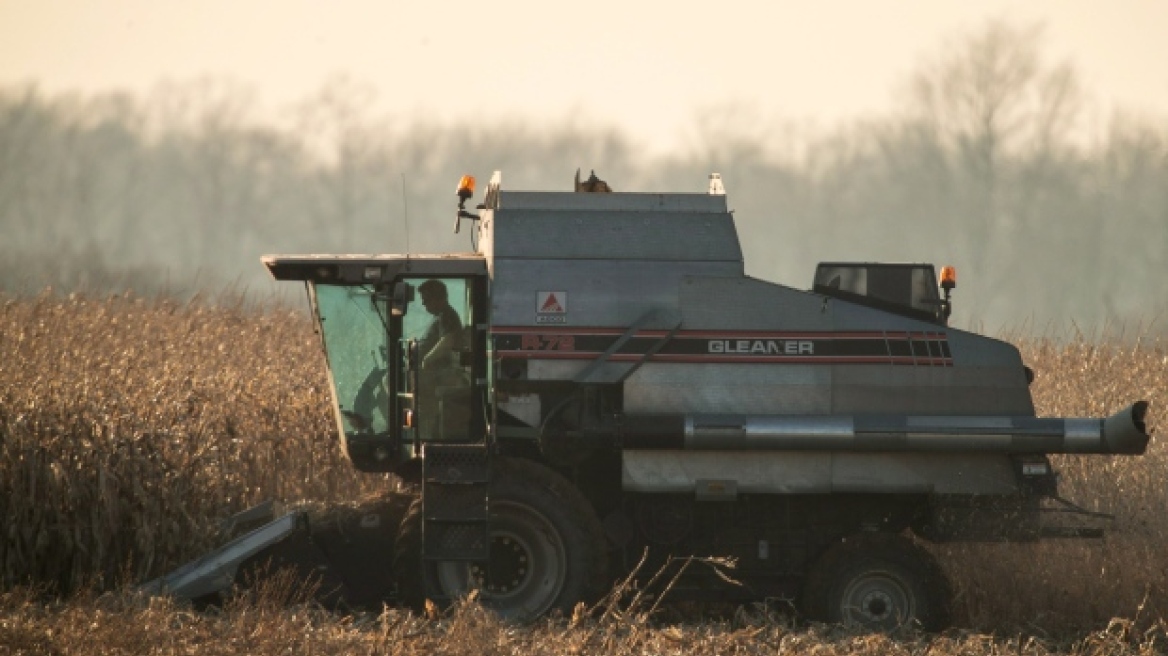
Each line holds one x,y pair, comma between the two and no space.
1069,584
117,624
129,427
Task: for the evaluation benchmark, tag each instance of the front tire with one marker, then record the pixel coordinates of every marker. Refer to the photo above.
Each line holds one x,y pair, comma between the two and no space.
548,550
877,582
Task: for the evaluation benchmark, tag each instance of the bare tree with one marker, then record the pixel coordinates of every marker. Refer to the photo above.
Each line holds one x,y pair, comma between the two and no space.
351,179
1129,187
1003,122
215,169
992,101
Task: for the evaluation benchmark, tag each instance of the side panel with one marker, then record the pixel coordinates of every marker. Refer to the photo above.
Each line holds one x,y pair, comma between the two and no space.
724,306
815,472
729,389
569,234
983,376
609,261
744,303
922,390
863,361
612,293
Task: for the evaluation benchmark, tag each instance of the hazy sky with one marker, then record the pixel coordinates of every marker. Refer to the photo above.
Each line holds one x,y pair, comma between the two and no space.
645,67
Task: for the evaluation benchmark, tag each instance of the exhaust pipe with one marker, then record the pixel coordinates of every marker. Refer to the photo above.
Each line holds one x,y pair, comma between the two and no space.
1123,433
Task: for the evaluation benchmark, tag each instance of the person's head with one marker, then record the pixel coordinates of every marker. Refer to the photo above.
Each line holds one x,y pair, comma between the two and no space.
433,295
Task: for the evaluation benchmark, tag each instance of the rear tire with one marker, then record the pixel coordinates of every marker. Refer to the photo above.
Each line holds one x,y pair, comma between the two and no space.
548,550
877,582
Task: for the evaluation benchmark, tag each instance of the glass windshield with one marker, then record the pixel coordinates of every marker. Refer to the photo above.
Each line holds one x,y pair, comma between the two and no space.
912,287
438,321
356,336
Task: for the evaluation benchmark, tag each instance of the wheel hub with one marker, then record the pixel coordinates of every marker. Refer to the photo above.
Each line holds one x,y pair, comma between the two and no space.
877,601
527,569
508,569
876,607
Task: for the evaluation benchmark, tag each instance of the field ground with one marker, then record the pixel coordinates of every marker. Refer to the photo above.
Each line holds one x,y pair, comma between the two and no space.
130,427
266,623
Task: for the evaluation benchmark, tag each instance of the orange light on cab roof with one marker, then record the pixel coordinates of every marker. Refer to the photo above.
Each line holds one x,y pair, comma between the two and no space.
466,186
948,277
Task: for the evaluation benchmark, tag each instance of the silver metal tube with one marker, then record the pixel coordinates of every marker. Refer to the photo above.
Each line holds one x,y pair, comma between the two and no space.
1082,435
1123,433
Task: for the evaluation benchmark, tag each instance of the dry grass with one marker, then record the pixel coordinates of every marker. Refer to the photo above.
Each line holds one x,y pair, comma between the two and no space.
1056,586
130,427
268,624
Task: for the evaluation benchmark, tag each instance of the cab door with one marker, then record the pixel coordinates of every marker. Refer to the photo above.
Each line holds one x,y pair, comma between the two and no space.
441,352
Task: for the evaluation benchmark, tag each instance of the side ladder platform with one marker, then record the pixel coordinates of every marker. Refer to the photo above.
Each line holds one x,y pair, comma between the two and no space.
455,480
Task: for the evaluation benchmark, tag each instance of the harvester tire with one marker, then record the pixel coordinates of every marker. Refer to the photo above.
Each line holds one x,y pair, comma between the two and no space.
877,582
548,550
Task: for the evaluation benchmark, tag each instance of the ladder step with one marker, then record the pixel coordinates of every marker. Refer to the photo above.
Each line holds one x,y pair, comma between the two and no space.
455,463
456,502
455,486
455,541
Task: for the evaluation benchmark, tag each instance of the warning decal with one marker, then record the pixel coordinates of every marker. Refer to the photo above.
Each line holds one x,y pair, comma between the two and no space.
551,302
551,307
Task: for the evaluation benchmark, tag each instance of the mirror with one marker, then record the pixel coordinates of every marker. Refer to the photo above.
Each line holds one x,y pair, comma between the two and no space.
403,295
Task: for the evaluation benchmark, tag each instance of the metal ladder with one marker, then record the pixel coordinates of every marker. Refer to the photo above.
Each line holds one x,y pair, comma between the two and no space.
455,480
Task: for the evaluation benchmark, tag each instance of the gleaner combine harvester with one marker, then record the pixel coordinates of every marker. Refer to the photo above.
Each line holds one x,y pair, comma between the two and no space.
599,380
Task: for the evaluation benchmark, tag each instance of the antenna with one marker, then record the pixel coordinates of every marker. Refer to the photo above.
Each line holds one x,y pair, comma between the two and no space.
406,212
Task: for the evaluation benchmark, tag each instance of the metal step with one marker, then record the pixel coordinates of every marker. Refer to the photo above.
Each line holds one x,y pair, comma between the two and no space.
455,480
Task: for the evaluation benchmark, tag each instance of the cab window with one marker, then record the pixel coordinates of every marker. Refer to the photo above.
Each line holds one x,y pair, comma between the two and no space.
438,325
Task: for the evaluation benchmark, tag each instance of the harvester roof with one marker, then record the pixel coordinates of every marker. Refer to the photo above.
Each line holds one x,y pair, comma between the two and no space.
356,269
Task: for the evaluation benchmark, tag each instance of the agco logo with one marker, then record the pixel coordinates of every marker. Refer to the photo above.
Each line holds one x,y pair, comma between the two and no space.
551,307
761,346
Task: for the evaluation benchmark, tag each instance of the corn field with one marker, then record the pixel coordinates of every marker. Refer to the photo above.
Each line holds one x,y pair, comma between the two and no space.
130,427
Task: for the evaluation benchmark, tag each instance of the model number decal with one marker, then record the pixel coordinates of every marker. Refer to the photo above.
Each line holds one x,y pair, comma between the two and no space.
548,343
761,346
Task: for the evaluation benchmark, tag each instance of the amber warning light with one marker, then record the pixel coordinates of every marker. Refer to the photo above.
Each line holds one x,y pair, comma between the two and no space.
466,187
948,277
465,190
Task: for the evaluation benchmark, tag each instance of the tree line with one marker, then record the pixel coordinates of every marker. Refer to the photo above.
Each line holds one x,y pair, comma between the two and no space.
993,161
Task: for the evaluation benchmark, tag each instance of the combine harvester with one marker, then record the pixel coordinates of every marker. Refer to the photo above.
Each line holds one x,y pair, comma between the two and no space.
599,380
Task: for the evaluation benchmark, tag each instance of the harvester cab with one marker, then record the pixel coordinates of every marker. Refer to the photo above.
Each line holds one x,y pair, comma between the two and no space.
406,349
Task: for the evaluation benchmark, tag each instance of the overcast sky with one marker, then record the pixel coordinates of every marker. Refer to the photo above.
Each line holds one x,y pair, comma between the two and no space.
645,67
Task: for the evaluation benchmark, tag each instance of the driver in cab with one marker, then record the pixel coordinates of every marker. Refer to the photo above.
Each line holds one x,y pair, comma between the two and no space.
443,337
441,377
